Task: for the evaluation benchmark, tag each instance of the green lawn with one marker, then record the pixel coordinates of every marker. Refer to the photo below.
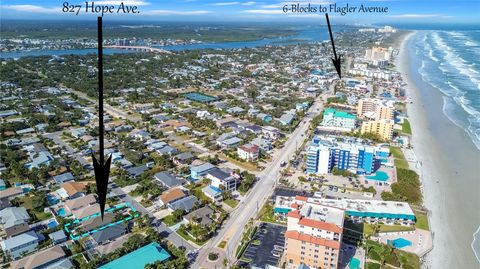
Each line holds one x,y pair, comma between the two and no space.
231,202
42,215
402,259
401,163
422,221
371,265
189,238
397,153
368,228
266,213
170,220
399,158
406,129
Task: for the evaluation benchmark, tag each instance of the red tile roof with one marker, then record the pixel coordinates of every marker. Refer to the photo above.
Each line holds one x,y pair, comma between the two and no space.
311,239
320,225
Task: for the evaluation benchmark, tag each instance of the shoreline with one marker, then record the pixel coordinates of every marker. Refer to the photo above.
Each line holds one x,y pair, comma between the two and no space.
443,156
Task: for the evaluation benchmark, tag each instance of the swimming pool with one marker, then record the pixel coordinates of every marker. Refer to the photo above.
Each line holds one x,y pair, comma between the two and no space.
52,200
52,224
139,258
61,212
379,176
399,243
354,263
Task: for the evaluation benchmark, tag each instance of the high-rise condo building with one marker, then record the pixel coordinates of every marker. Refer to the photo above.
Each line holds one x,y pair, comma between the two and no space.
314,235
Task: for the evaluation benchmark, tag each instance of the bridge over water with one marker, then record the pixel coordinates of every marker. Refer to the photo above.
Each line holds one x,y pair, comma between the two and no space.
139,48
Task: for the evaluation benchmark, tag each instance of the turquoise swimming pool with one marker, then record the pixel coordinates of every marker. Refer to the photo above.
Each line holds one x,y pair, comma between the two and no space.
139,258
61,212
379,176
354,263
399,243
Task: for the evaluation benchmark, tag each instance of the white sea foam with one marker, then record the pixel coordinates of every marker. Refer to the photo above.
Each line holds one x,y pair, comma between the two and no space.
475,235
454,84
456,61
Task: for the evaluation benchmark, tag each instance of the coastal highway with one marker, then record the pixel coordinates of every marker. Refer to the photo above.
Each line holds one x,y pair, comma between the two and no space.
232,230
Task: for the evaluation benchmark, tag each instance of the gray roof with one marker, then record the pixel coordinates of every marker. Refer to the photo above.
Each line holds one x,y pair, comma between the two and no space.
62,264
184,156
218,173
202,215
57,236
287,118
232,141
63,177
19,240
12,216
138,170
167,150
186,203
168,179
109,233
202,168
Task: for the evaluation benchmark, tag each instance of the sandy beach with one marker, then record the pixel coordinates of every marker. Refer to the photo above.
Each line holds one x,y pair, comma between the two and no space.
449,165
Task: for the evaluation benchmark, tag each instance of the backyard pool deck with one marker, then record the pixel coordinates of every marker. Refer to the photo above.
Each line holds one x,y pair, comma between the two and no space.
421,240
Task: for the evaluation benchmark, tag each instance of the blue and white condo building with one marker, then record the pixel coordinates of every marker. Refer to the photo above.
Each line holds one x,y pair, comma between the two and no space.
325,153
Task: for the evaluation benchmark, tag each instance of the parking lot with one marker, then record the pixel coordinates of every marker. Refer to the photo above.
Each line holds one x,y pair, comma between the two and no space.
267,246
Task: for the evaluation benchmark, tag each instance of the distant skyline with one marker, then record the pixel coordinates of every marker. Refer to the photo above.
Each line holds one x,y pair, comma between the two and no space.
400,11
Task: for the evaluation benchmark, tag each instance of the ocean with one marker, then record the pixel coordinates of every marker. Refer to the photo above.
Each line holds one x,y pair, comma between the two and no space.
450,62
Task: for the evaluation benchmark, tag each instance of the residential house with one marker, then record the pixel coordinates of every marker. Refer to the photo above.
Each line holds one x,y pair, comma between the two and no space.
203,216
264,117
51,258
11,193
23,243
62,178
167,179
272,132
58,237
198,172
14,220
286,119
74,189
171,196
110,233
72,206
137,171
219,178
248,152
186,204
183,158
230,142
213,193
264,144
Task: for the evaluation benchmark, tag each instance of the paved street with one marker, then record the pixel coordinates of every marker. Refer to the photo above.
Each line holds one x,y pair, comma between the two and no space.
116,112
233,229
59,141
164,231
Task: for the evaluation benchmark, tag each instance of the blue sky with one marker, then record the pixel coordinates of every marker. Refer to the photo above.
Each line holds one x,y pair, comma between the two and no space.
400,11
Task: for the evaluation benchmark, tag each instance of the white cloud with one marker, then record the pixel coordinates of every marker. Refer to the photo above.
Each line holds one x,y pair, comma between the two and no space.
32,9
418,16
249,3
264,11
175,12
126,3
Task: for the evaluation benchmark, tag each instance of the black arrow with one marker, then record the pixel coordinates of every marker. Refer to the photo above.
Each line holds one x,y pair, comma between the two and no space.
336,61
102,168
